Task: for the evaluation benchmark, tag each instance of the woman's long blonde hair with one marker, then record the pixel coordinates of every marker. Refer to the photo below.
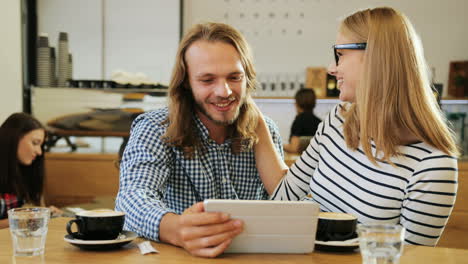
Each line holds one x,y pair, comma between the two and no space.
394,91
181,132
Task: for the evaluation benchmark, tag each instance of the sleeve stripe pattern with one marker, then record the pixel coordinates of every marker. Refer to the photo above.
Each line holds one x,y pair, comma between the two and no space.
362,176
364,189
362,164
435,169
429,203
335,197
423,224
373,147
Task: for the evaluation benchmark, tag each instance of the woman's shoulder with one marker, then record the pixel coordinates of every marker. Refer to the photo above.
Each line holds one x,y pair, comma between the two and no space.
335,116
272,126
429,156
307,116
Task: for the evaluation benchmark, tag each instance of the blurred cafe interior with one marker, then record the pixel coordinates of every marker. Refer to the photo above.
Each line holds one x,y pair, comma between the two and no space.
87,68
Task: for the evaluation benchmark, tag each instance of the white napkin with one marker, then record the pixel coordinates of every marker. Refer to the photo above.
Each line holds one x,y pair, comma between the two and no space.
75,210
146,248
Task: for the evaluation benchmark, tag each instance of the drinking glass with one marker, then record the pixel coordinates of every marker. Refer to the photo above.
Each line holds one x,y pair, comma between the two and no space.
28,227
381,243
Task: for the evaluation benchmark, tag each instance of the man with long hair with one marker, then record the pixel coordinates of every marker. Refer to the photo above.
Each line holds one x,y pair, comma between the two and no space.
200,147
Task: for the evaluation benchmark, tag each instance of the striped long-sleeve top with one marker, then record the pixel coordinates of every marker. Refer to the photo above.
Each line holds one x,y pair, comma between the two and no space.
418,193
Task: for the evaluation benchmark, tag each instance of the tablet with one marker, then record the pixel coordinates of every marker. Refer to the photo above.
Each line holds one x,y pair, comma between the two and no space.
270,226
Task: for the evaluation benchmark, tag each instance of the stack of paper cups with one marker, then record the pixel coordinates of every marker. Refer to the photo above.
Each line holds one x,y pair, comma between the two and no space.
53,77
43,61
70,67
62,59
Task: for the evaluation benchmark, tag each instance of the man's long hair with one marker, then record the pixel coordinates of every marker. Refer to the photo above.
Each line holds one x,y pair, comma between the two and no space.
181,131
394,91
26,182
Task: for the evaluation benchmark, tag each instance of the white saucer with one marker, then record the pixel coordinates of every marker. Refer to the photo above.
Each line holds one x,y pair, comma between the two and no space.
348,243
337,246
124,238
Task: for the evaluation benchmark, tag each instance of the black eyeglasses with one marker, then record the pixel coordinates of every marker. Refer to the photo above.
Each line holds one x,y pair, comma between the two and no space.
354,46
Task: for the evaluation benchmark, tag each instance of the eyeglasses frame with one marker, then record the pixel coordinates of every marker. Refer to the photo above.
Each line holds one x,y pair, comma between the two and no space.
351,46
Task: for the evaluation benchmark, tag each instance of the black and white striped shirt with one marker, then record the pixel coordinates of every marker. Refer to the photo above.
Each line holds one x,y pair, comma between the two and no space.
419,193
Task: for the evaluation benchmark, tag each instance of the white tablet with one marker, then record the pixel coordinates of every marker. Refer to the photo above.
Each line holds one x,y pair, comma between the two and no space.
270,226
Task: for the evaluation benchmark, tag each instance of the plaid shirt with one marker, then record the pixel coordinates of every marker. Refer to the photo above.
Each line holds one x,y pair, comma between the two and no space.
7,202
155,178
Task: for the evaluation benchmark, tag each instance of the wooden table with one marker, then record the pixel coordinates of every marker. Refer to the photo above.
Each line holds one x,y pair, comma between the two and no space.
59,251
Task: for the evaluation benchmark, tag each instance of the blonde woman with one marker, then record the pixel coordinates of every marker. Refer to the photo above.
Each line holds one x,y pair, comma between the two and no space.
385,154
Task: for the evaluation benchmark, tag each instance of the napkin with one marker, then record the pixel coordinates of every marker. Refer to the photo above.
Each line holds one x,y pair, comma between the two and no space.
146,248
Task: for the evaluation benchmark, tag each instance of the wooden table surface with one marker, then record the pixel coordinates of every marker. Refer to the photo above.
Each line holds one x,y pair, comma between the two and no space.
59,251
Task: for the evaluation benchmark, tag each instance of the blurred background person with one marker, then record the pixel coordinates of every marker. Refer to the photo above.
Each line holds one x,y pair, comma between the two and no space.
21,164
305,123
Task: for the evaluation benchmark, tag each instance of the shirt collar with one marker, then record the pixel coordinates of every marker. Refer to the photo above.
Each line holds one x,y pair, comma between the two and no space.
204,133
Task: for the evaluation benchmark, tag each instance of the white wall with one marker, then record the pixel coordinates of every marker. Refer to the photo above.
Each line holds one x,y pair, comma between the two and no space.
109,35
142,36
283,40
82,21
10,62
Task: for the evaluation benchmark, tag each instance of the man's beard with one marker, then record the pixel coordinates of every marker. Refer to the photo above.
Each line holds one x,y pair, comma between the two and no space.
201,107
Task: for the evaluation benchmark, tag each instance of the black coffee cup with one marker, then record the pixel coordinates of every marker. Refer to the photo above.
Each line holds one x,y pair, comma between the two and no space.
336,227
97,225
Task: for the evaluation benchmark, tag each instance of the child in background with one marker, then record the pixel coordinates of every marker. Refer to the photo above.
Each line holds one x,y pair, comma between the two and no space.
305,124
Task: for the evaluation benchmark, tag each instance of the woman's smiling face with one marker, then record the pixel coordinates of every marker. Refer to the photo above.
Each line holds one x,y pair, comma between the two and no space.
349,69
30,146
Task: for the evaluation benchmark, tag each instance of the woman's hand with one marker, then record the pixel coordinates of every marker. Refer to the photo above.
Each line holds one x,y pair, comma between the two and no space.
55,212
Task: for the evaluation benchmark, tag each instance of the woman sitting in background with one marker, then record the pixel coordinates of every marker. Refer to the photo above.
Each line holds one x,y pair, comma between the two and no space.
305,124
21,164
385,155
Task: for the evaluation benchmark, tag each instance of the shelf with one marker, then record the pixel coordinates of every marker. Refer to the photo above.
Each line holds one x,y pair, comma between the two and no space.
109,90
283,99
289,97
448,100
454,100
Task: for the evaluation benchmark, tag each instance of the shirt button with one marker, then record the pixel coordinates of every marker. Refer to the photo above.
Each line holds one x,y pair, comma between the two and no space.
224,180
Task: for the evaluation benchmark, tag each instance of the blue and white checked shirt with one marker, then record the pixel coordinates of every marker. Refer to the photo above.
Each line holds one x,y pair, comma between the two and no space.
155,178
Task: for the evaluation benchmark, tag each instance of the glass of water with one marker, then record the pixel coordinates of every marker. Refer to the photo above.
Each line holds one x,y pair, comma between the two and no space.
28,227
381,243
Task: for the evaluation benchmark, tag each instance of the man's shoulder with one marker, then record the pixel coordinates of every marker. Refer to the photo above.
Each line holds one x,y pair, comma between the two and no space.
154,119
157,115
271,124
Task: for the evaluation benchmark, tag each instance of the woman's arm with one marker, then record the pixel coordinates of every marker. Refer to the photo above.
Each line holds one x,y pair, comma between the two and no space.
293,146
55,212
270,166
431,194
